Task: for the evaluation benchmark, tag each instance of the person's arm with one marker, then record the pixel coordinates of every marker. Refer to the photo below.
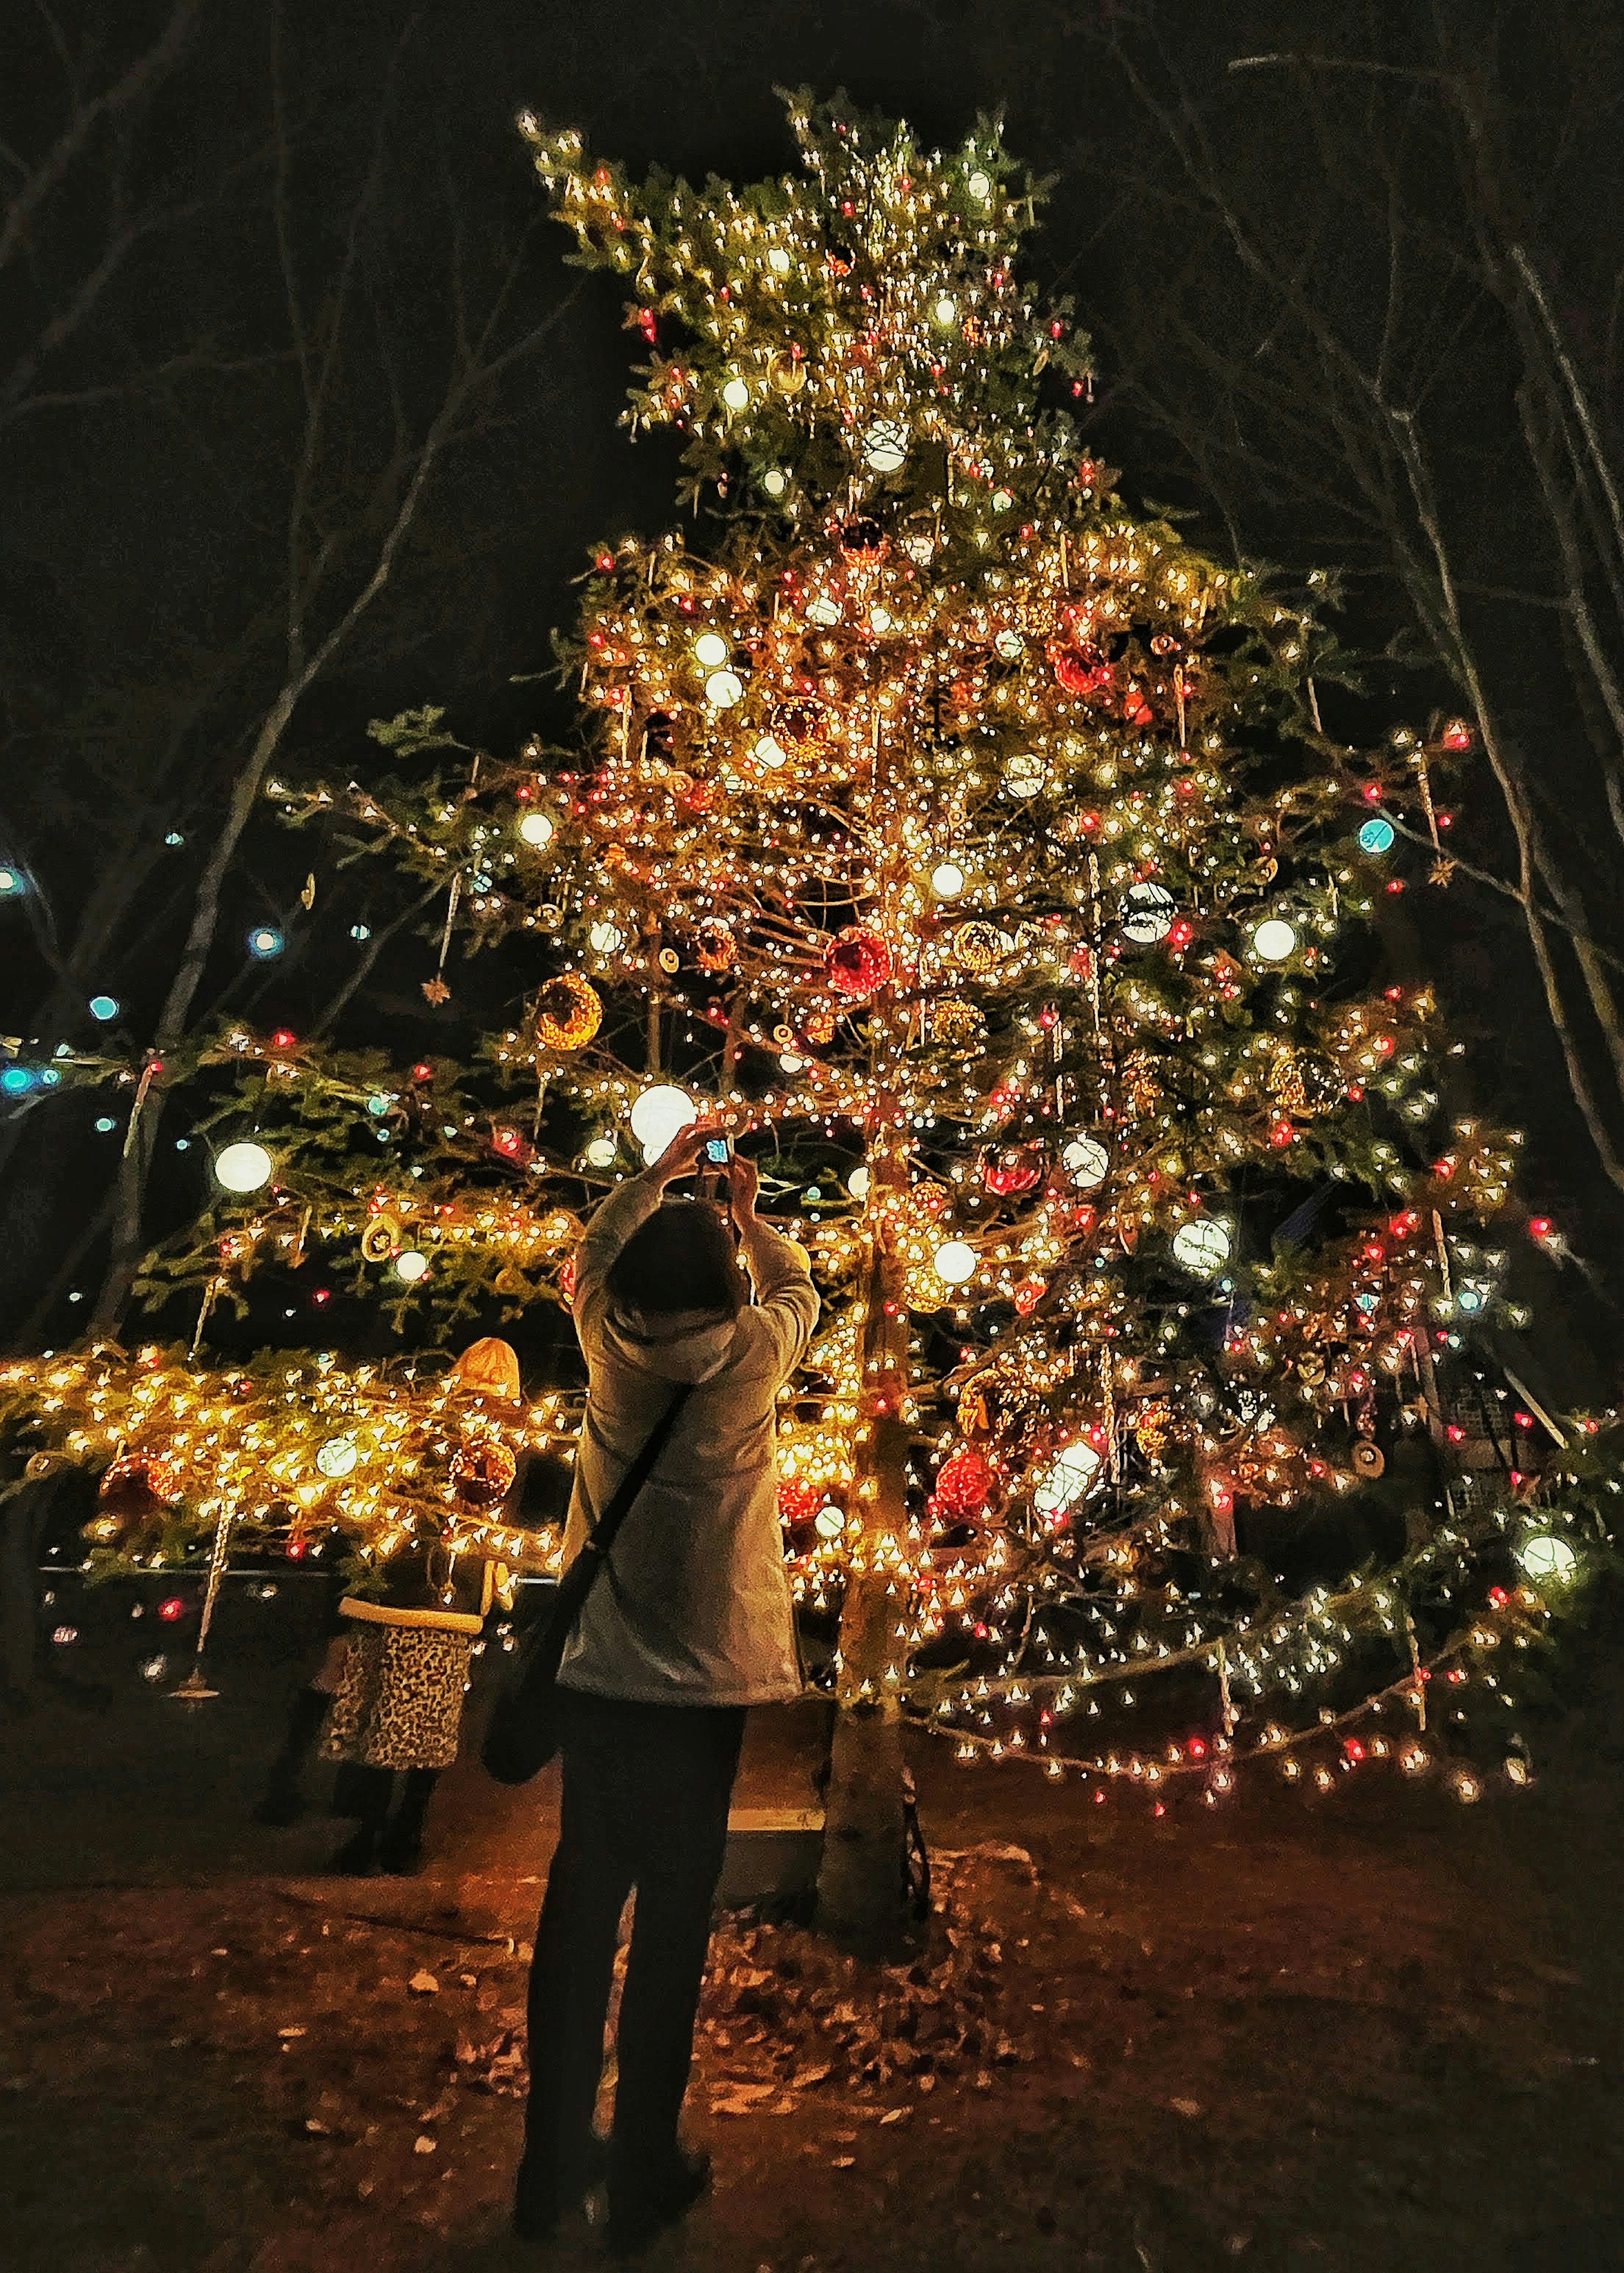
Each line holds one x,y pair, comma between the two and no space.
785,1296
618,1217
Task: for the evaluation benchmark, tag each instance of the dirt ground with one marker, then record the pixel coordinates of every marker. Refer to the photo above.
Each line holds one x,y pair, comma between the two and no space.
1376,2030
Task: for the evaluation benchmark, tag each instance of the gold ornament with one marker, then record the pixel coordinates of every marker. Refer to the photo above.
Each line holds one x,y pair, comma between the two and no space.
380,1238
568,1012
716,948
786,374
957,1025
975,946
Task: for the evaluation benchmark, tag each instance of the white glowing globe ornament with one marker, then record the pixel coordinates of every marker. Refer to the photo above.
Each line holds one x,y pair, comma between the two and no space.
410,1266
536,829
828,1523
657,1117
767,751
858,1182
244,1167
605,938
1275,941
774,481
736,395
1070,1476
600,1152
1024,773
947,882
1544,1555
885,446
1203,1245
953,1263
338,1456
711,649
1149,914
723,689
1086,1163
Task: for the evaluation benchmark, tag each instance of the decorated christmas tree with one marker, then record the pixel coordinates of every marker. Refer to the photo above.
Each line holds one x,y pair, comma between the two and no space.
969,848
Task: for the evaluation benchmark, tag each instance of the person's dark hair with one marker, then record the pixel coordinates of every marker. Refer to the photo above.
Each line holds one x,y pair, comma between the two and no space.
679,1258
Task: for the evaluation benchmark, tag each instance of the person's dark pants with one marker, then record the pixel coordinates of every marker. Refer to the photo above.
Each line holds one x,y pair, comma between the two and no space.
645,1792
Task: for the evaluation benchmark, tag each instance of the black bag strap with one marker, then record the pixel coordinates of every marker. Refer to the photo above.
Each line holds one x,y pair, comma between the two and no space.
604,1532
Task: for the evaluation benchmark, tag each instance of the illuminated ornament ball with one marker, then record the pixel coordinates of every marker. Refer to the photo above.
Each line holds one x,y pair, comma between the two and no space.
483,1474
885,446
1275,940
1544,1555
1086,1162
1069,1477
1376,835
955,1263
963,1483
536,829
568,1013
857,960
947,881
857,1183
1203,1245
338,1456
711,649
244,1167
723,689
1024,773
605,938
657,1117
957,1025
103,1008
736,395
977,947
600,1153
829,1522
1150,914
411,1265
265,942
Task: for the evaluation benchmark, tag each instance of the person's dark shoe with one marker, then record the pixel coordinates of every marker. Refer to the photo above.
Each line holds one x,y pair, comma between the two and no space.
401,1853
639,2211
541,2198
284,1802
357,1857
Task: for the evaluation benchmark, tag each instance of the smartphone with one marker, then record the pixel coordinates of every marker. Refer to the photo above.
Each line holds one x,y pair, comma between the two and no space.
719,1151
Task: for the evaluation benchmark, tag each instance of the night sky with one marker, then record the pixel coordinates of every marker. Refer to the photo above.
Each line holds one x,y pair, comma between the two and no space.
152,406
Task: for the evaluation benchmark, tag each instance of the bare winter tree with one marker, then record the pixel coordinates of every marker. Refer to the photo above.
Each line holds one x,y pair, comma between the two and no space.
1371,279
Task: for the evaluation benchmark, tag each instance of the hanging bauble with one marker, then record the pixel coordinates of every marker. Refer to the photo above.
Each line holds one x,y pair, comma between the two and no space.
885,444
801,727
957,1026
716,947
1203,1245
964,1484
819,1028
955,1263
669,961
658,1115
483,1472
1086,1162
1275,941
1146,914
786,372
1153,1425
1068,1480
1078,671
1012,1168
799,1501
1029,1292
338,1457
381,1239
857,960
863,539
135,1489
1024,773
490,1368
1369,1460
977,947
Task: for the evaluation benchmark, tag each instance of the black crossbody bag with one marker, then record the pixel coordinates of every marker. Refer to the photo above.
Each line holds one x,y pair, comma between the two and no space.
522,1735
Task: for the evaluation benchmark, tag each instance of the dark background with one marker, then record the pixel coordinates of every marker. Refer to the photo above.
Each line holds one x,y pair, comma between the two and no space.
154,418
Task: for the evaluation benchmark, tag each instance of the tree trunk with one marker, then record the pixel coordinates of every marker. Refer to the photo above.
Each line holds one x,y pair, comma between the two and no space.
861,1885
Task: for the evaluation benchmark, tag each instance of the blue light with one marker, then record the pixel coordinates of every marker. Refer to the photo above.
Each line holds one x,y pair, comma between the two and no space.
1470,1299
360,931
103,1007
265,942
11,883
15,1079
175,837
1376,835
106,1125
50,1077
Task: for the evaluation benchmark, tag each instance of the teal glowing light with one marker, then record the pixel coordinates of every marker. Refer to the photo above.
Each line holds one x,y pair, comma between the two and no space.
1376,835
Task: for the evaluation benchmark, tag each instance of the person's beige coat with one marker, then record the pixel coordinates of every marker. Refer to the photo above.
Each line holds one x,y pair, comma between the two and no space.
695,1608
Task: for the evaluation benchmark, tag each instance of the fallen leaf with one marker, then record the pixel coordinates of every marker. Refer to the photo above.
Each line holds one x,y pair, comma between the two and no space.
1187,2106
842,2161
423,1984
287,2033
423,2145
896,2115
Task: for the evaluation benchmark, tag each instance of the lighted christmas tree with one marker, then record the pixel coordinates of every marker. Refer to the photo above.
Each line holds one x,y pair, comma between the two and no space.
968,847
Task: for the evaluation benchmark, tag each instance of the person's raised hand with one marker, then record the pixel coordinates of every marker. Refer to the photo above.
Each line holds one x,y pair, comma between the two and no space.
681,1156
743,1182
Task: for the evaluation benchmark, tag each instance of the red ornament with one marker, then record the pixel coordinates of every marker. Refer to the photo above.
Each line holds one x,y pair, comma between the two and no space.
799,1501
1079,670
1014,1168
174,1607
1029,1294
964,1484
857,960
